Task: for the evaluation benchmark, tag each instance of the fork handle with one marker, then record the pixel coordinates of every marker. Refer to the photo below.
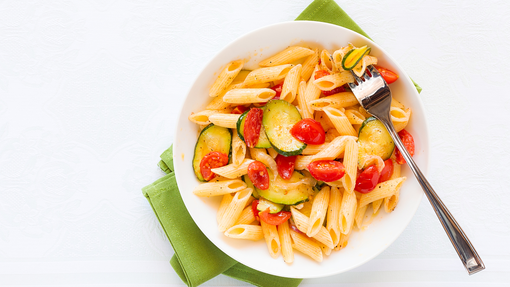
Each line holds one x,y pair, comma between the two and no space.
460,241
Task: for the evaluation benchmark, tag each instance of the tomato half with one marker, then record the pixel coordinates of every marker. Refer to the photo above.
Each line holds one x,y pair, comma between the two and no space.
388,75
252,126
285,165
326,170
274,219
239,110
367,180
212,160
321,73
278,89
254,209
308,131
257,172
408,141
387,170
336,90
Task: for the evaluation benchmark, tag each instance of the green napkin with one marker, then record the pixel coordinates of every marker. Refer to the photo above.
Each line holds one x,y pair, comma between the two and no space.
196,259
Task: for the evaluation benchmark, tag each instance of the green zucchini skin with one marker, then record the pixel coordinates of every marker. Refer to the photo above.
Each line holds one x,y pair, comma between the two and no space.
278,195
273,207
211,138
249,184
349,54
263,141
374,139
279,117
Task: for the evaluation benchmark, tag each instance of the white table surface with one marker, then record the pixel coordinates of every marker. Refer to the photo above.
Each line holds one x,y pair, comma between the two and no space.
89,95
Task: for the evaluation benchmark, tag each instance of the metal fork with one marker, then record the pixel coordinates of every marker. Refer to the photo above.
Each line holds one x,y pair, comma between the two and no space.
374,95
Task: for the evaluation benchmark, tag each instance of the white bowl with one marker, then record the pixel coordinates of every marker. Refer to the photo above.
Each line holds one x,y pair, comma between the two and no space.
363,245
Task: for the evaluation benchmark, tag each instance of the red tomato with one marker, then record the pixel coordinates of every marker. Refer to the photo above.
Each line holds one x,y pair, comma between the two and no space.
408,141
321,73
336,90
212,160
308,131
274,219
285,165
254,209
252,126
388,76
326,170
387,170
239,110
258,174
367,180
278,89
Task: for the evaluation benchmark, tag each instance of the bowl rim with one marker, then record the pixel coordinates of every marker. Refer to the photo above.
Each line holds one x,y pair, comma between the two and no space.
424,130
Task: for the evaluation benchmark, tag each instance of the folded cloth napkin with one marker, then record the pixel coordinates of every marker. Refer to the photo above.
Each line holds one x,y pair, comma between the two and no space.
196,259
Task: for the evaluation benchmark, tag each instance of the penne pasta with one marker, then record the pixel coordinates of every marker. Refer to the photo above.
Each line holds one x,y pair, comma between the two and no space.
302,162
347,212
302,102
351,165
272,239
224,120
225,201
309,65
318,213
334,149
382,190
400,117
246,216
234,209
233,171
227,75
264,75
340,121
327,62
340,100
219,187
291,84
311,92
354,117
306,245
238,149
286,242
286,56
332,224
328,83
248,96
302,223
202,117
245,231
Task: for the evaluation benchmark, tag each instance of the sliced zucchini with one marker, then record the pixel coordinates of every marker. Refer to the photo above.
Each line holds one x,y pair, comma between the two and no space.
212,138
279,117
352,58
263,141
249,184
273,207
277,194
374,139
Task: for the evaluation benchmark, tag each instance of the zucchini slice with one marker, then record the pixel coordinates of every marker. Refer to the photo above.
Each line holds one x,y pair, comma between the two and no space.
249,184
374,139
279,117
278,194
273,207
263,141
352,58
212,138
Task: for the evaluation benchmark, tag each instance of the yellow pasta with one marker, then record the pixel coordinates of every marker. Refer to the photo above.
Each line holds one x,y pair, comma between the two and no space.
233,171
327,62
340,121
351,164
334,149
234,209
202,117
311,93
354,116
302,223
264,75
246,216
291,84
347,212
318,213
226,77
302,102
225,201
224,120
382,190
340,100
219,187
248,96
272,239
309,65
245,231
285,242
286,56
400,117
332,221
329,82
238,149
306,246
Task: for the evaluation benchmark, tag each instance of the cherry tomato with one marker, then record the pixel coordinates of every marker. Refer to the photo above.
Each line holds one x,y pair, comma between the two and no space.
388,76
274,219
258,174
278,89
336,90
308,131
239,110
321,73
326,170
367,180
252,126
254,209
387,170
212,160
408,141
285,165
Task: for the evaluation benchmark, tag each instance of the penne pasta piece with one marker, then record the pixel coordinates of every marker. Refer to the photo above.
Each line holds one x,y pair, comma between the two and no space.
328,83
318,213
240,77
332,224
286,56
376,205
224,120
302,162
238,149
302,102
233,171
327,62
234,209
334,149
286,242
225,201
338,56
248,96
306,245
264,75
272,152
272,239
291,84
246,217
336,183
323,119
360,68
340,100
372,160
302,223
351,165
227,75
344,238
311,92
202,117
360,213
331,134
382,190
219,187
347,212
340,121
354,117
309,64
325,250
312,149
390,202
399,117
245,231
